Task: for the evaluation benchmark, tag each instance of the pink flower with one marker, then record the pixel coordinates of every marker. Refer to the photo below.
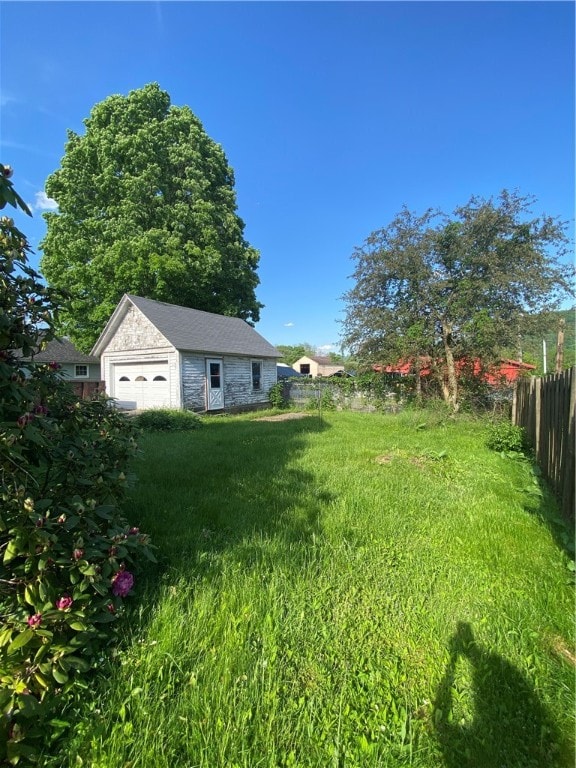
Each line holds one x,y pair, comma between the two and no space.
122,583
35,620
111,607
134,531
77,554
25,419
64,603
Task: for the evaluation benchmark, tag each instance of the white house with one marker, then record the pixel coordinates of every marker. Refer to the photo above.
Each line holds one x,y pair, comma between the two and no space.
158,355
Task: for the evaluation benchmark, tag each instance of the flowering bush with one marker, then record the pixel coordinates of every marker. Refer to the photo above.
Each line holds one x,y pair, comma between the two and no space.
64,545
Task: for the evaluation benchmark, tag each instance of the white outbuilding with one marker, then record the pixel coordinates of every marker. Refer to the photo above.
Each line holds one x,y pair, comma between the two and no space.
158,355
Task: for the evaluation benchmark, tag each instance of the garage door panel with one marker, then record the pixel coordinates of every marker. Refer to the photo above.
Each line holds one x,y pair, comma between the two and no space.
146,384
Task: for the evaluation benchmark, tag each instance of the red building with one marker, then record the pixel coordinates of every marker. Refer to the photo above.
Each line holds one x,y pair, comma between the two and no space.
504,372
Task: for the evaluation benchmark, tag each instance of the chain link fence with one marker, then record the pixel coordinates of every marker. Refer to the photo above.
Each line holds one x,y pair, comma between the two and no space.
340,394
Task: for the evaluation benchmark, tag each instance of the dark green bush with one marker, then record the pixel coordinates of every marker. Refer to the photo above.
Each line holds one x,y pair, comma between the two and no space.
276,395
67,554
506,437
166,420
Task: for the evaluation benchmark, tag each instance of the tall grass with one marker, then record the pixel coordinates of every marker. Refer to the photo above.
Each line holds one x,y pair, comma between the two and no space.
355,590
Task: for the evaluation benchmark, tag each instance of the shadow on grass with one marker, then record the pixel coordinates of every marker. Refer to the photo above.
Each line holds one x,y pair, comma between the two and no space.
510,727
543,503
229,486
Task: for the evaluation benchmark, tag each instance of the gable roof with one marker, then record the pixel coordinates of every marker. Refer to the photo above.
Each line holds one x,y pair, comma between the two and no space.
63,351
321,360
192,330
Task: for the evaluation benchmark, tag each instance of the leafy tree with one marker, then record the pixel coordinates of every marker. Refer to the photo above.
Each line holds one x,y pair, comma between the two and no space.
291,353
388,317
146,205
455,289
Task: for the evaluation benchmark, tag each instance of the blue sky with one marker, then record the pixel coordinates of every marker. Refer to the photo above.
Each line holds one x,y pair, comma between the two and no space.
333,116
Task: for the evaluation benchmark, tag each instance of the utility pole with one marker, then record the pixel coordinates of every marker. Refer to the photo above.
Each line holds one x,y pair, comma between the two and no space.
560,346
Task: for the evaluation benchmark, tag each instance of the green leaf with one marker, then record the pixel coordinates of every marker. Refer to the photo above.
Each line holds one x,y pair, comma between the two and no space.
28,705
17,749
12,550
22,639
88,569
77,663
59,675
42,680
31,594
78,626
105,617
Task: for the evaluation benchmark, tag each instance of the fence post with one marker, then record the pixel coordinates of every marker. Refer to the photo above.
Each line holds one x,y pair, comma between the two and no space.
567,494
537,416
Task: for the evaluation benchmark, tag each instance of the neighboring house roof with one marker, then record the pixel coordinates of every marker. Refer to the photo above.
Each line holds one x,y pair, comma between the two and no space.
323,360
192,329
63,351
286,371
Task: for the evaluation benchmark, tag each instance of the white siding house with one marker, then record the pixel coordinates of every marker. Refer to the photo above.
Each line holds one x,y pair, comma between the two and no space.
157,355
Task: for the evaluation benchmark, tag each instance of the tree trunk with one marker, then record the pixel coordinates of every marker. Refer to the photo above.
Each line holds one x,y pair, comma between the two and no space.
452,388
418,385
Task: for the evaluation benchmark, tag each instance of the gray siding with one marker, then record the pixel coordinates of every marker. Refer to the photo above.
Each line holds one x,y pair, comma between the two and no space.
193,371
68,372
238,381
237,375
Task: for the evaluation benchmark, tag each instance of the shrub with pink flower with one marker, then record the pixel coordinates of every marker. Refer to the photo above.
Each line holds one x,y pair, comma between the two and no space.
35,620
122,583
64,603
24,420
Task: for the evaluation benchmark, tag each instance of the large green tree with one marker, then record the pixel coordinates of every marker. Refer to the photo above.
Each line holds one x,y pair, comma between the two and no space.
453,288
146,205
292,352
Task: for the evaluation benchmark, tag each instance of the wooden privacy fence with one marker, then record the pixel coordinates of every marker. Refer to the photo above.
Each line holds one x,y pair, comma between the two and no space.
545,408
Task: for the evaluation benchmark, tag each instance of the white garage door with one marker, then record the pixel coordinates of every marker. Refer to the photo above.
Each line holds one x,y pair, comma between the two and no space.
142,385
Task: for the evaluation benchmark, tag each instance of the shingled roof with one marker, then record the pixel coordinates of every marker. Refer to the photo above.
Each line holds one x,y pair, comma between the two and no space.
63,351
193,330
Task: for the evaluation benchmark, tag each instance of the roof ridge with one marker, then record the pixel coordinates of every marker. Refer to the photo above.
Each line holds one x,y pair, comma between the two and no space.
132,296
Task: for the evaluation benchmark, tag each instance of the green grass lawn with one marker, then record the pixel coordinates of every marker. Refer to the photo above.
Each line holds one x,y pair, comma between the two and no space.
356,590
